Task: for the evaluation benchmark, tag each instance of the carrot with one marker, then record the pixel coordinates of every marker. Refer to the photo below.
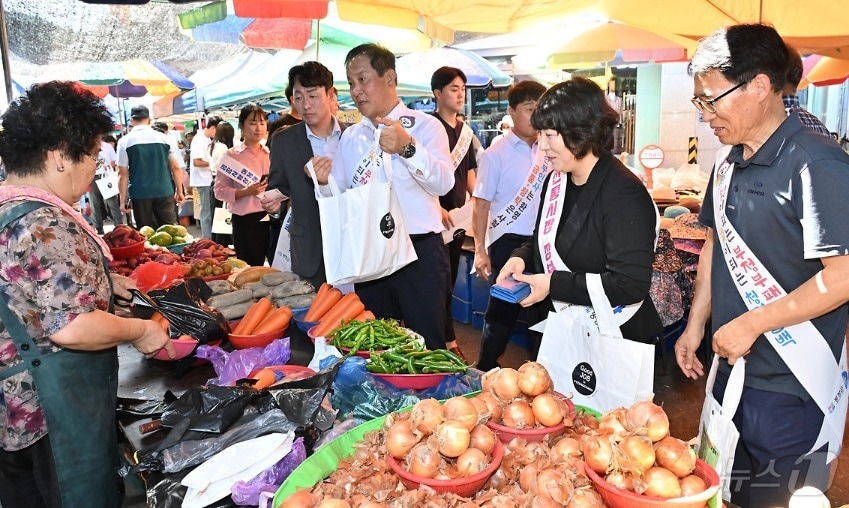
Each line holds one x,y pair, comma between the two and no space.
161,319
274,321
364,316
323,303
348,308
254,316
265,378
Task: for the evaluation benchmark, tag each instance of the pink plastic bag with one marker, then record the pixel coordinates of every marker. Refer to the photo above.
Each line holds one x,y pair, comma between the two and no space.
153,275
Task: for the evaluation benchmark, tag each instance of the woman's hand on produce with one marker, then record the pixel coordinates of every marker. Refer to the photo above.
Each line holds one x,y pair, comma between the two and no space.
685,351
513,266
483,266
540,286
153,339
121,286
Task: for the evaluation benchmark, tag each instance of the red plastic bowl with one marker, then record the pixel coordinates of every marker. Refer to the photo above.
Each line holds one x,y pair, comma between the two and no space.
412,381
363,354
183,348
261,340
466,487
507,434
128,251
615,497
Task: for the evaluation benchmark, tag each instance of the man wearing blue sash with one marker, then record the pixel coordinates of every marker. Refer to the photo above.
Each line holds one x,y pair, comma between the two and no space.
774,273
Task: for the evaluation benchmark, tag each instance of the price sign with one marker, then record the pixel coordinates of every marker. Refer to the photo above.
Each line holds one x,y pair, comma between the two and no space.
651,156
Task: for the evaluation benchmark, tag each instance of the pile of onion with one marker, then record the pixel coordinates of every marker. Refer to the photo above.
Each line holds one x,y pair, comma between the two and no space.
441,442
642,456
521,399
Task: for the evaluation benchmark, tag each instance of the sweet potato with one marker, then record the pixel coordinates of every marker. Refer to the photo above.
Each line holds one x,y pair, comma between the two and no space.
295,287
234,312
232,298
277,278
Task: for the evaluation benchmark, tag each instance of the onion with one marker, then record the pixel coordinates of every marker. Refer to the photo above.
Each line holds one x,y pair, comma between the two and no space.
494,406
640,450
334,503
661,482
650,419
423,461
400,439
586,498
554,485
584,422
471,462
549,409
482,438
426,414
676,456
692,485
541,501
627,481
616,422
519,415
300,499
453,438
480,407
598,452
528,479
486,380
565,450
462,410
505,384
533,379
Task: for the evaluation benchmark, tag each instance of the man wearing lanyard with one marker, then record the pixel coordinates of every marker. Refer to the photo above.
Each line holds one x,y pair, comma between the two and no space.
449,88
774,273
505,211
422,172
315,139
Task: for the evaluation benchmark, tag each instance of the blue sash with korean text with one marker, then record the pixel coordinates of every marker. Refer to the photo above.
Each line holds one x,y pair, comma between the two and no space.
801,346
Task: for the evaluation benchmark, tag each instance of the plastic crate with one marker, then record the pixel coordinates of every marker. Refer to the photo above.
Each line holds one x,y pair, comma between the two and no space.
461,310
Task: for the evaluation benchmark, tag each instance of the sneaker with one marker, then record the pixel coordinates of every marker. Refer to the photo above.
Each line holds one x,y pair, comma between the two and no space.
456,351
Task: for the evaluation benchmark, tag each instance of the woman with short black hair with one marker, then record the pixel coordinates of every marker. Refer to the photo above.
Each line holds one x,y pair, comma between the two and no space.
58,357
596,217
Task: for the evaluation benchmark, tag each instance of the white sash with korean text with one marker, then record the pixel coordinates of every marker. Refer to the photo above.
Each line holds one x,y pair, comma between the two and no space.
237,171
371,164
499,223
801,346
462,147
552,210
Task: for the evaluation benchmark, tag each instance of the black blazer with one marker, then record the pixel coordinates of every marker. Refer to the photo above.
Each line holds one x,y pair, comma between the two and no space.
290,151
610,231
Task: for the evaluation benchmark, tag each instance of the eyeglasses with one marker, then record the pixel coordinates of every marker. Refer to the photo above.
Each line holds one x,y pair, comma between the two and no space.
98,162
707,105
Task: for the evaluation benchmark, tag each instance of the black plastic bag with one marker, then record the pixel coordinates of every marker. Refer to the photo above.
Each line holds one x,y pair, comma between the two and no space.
300,399
186,311
209,409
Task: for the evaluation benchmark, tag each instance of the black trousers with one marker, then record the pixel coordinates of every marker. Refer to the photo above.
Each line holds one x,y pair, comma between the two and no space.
499,311
415,293
455,247
154,212
28,477
250,237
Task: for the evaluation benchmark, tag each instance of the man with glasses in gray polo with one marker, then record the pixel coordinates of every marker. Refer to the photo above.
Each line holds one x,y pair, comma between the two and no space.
774,272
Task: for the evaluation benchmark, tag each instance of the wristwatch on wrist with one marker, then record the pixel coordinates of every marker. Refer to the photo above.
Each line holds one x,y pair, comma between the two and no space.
409,149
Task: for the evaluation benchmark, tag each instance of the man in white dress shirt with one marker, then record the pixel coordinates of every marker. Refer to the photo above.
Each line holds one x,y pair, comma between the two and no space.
422,170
